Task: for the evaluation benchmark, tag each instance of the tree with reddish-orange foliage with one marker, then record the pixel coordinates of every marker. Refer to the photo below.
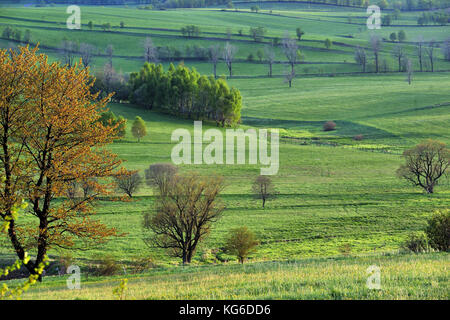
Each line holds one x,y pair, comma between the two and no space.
50,137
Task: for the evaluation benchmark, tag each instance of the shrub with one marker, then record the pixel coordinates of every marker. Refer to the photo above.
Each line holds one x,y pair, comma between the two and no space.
141,264
358,137
417,242
329,126
107,266
438,230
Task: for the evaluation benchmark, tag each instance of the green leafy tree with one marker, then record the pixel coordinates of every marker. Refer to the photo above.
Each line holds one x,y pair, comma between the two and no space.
328,43
299,33
139,130
241,242
401,36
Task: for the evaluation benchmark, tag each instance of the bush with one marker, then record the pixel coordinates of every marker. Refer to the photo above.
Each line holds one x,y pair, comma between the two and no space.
417,242
438,230
141,264
107,266
329,126
358,137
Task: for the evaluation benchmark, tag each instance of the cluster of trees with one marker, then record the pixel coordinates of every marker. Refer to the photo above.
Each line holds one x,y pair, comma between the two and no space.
400,36
437,17
15,34
184,92
190,31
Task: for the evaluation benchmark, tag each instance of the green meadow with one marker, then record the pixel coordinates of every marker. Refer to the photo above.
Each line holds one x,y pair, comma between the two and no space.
335,192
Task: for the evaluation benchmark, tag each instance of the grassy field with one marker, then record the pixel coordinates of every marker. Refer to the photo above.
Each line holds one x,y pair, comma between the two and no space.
402,277
335,192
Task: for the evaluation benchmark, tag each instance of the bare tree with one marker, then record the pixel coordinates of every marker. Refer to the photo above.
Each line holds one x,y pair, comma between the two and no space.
425,164
87,52
446,49
214,56
160,175
129,183
290,49
270,57
264,189
399,54
419,51
360,57
184,215
150,51
375,43
109,51
67,50
429,50
289,76
228,55
409,71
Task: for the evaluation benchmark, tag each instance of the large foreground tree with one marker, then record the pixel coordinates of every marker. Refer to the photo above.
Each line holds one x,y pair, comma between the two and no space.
51,136
184,214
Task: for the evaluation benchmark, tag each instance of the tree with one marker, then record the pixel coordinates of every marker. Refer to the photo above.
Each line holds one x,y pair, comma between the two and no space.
446,49
383,4
109,51
27,36
425,164
360,57
122,24
290,49
90,25
328,43
438,230
409,71
429,51
299,33
129,183
257,33
260,54
241,242
184,215
270,57
289,76
399,53
45,146
419,51
264,188
375,43
67,50
228,55
139,130
87,52
150,51
401,36
214,56
160,175
393,37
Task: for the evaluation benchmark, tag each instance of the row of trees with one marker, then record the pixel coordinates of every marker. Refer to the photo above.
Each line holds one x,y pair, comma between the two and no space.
182,91
425,52
438,18
15,34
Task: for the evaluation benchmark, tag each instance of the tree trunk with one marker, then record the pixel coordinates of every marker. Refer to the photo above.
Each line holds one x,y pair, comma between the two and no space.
264,202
